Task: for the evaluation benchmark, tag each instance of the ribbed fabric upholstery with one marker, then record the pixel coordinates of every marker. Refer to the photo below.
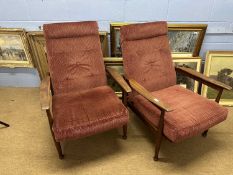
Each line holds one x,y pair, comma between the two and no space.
192,114
147,59
82,104
88,112
74,56
146,52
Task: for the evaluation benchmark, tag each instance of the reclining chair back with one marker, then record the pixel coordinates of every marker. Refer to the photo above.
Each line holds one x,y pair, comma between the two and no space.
147,56
74,56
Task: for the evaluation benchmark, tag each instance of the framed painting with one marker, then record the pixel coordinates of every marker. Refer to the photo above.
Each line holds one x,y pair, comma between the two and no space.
38,50
116,63
185,39
219,66
104,43
192,63
115,39
14,48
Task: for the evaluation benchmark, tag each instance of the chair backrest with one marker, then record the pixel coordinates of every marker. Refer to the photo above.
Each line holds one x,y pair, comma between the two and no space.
74,56
147,56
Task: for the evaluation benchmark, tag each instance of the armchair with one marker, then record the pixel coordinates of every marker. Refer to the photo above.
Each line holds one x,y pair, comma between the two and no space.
169,109
75,95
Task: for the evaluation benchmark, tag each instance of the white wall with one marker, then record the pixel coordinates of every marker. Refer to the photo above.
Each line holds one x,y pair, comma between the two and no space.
30,14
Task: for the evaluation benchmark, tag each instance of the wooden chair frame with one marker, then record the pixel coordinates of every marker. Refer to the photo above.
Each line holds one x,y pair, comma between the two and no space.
165,108
5,124
46,93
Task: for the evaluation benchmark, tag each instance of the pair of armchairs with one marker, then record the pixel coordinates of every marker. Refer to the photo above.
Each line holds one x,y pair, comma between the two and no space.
79,103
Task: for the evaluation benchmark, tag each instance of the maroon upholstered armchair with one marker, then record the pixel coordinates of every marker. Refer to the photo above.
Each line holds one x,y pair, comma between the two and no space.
173,111
80,103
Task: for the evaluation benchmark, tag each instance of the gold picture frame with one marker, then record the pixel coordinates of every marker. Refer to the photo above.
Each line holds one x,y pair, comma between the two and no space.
219,66
192,63
116,63
185,39
38,50
14,48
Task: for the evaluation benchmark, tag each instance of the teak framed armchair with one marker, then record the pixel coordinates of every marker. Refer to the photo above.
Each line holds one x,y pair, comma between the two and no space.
169,109
76,98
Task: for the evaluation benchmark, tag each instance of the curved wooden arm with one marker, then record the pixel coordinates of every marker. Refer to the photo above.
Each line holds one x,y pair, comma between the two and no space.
146,94
45,97
119,79
202,78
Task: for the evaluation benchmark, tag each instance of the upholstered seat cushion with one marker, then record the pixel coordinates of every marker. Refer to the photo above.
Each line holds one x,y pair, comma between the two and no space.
79,114
192,114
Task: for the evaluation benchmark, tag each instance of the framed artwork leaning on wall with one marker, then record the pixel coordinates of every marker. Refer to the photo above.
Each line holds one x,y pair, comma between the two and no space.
185,39
14,48
116,63
219,66
192,63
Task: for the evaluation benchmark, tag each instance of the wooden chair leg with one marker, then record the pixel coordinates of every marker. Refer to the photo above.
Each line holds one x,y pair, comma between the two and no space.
157,146
5,124
59,149
160,135
204,134
57,144
124,132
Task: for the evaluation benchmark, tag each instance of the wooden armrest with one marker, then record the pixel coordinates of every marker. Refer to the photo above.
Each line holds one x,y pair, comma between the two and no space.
119,79
45,97
202,78
146,94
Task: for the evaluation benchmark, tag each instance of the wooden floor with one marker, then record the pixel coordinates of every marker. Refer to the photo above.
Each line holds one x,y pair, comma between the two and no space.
27,146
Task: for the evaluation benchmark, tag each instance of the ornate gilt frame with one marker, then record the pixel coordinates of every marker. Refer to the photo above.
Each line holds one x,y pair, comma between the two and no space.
171,27
209,57
23,37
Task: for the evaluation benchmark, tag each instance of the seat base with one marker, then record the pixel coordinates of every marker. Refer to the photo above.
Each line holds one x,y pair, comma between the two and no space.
86,113
192,114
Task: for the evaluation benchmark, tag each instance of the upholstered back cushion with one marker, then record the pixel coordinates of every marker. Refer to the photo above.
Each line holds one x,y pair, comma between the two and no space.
147,56
74,56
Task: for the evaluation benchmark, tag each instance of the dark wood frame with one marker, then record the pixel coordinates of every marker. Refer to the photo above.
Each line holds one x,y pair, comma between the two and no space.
165,108
5,124
46,93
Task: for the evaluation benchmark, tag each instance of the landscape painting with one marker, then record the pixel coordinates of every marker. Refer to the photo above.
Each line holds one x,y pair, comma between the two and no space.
14,50
219,66
182,41
183,80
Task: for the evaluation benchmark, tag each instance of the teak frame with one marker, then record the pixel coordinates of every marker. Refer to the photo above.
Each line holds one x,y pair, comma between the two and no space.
165,108
46,93
5,124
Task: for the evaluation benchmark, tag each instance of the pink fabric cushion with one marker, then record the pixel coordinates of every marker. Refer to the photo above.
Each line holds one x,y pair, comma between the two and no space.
143,31
85,113
70,29
146,55
74,56
192,113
